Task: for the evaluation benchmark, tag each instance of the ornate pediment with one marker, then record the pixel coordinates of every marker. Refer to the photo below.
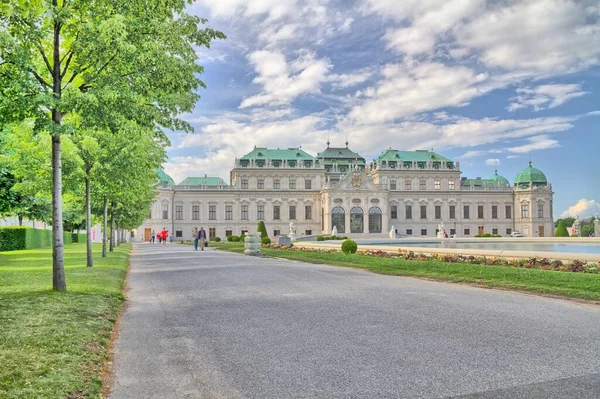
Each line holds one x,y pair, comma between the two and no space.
356,180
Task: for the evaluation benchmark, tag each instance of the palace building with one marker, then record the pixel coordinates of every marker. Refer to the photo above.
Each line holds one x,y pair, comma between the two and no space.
413,192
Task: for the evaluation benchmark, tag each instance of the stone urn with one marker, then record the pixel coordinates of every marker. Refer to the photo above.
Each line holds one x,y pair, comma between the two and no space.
252,244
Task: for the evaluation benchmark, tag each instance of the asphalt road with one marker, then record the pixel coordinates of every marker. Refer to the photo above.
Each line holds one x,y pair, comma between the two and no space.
218,325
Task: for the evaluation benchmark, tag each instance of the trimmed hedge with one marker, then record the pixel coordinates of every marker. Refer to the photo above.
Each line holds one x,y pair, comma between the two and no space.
265,241
349,247
15,238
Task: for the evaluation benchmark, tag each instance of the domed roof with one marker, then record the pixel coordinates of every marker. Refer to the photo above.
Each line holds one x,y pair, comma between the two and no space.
164,179
531,175
500,180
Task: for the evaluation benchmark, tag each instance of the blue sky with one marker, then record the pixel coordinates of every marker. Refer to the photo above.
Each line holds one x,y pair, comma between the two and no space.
490,83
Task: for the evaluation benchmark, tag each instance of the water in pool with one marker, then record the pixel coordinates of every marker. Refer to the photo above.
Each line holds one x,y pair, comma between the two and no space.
582,248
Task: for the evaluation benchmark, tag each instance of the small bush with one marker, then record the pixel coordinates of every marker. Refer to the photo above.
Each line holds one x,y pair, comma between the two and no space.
561,230
234,238
263,229
217,239
344,237
265,240
349,247
230,238
243,237
320,238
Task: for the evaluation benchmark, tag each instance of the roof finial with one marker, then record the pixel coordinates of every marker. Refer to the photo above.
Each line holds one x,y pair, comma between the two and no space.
346,140
530,163
328,140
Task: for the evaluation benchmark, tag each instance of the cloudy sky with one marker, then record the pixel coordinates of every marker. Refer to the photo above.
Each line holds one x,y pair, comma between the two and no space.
492,83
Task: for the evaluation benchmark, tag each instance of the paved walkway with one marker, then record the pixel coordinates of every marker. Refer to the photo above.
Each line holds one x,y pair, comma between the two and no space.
219,325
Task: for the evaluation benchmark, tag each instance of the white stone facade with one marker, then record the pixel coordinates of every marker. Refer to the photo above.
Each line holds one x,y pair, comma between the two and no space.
361,200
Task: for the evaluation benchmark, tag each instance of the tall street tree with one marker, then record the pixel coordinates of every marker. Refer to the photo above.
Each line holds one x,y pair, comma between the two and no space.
56,56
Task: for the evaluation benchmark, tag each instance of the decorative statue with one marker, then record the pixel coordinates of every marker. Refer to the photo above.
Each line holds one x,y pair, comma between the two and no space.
392,233
292,233
597,227
334,231
577,227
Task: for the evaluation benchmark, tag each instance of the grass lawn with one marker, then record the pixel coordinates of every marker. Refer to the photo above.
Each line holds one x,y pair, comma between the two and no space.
52,345
567,284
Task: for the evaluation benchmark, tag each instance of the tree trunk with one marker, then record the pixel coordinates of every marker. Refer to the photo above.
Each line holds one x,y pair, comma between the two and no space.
88,218
59,282
111,248
118,236
20,220
105,223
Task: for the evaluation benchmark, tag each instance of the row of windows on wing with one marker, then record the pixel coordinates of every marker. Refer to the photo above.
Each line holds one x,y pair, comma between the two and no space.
244,214
415,164
466,212
260,184
437,184
466,231
212,233
276,163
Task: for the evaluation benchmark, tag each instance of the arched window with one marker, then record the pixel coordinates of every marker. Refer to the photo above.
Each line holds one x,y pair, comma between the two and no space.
375,220
357,224
338,219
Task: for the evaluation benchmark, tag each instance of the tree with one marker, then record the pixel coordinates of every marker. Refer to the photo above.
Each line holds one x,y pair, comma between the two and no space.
568,221
263,230
561,230
59,55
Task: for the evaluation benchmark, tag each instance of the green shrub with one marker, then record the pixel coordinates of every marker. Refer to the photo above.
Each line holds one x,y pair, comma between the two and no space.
344,237
67,238
263,229
14,238
320,238
243,237
561,230
349,247
217,239
230,238
265,240
234,238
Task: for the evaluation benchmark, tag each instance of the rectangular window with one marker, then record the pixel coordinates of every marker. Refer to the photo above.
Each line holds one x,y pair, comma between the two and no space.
308,232
409,232
195,212
524,211
228,233
260,212
308,212
495,212
394,212
292,212
244,184
292,184
422,184
508,231
178,233
423,211
165,211
437,184
540,211
276,233
244,212
260,184
307,184
466,212
438,211
452,232
452,211
212,212
423,232
480,211
229,212
451,185
276,214
392,184
276,183
407,184
508,212
467,232
408,212
179,212
495,231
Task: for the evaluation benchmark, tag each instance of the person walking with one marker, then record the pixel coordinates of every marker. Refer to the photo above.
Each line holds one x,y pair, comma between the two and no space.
202,237
195,235
153,237
164,234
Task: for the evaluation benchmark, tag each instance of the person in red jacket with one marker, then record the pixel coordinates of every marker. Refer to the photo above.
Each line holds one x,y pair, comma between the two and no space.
164,234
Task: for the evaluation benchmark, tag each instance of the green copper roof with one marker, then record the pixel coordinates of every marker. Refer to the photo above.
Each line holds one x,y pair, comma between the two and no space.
503,181
340,153
278,154
531,175
411,156
491,183
164,178
203,181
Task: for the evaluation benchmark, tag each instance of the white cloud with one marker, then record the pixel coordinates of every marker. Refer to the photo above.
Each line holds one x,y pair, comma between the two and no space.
492,162
545,96
407,89
541,142
584,208
471,154
283,82
345,80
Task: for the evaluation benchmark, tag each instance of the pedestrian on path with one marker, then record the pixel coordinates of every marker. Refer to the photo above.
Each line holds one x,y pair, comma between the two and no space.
164,234
153,237
202,237
195,235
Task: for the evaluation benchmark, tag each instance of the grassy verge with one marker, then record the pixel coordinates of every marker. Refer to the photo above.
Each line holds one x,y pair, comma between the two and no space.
566,284
52,345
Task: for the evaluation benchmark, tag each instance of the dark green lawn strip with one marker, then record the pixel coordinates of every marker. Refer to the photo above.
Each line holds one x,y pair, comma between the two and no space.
52,345
567,284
